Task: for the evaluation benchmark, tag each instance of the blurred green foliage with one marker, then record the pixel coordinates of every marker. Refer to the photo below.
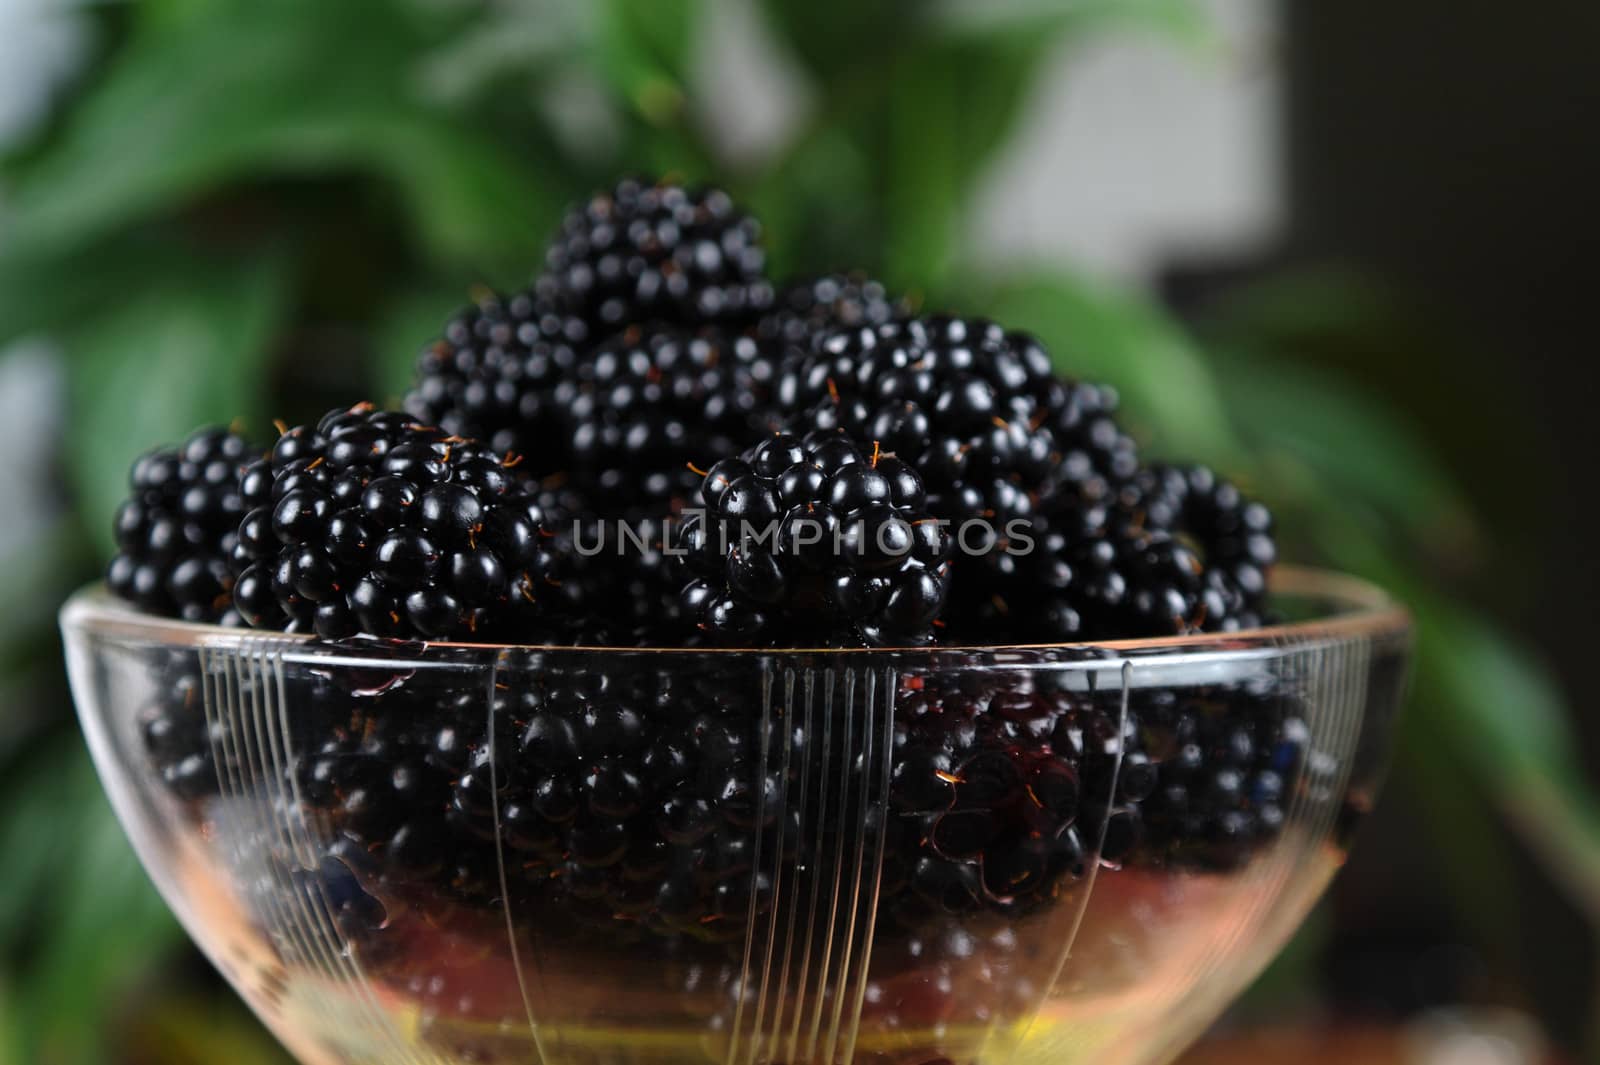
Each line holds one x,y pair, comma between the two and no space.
247,210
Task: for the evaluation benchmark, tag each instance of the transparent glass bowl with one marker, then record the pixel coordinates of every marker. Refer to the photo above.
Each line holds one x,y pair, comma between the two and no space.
468,853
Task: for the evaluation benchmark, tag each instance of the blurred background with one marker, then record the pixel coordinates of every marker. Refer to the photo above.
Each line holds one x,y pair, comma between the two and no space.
1342,251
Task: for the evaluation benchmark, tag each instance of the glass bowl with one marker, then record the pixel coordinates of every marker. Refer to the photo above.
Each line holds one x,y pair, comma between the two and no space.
470,853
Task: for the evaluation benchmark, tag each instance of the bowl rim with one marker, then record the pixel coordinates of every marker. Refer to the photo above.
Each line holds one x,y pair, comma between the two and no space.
1362,610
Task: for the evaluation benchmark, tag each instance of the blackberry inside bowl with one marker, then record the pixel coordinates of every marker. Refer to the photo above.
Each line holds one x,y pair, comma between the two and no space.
455,852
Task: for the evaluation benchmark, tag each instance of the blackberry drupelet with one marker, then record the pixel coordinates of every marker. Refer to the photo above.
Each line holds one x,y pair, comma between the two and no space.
814,541
492,373
646,251
650,402
378,524
176,529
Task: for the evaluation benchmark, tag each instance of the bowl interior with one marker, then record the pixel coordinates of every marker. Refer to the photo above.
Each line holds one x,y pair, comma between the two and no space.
475,853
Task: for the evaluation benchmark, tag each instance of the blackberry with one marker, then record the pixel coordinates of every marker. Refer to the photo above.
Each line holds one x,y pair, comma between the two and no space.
1061,574
1164,552
960,400
994,791
1090,576
646,251
492,372
825,304
378,524
175,531
966,404
650,402
178,737
1226,759
814,540
1229,534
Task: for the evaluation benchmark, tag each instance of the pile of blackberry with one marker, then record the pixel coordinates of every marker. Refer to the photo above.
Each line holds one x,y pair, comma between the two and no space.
654,445
631,801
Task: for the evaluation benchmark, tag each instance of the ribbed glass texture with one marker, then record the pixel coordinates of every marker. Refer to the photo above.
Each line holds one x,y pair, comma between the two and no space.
458,853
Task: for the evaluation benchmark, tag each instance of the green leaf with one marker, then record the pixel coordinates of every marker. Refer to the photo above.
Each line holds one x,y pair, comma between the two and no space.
1101,334
186,350
237,89
835,36
42,290
191,100
93,917
1182,20
927,94
411,320
474,203
887,172
1398,350
1486,704
1514,727
508,45
11,1046
1364,450
950,107
644,48
817,207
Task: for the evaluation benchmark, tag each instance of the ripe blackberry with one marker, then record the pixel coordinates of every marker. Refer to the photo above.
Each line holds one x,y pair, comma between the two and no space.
1096,454
960,400
825,304
1229,534
998,789
378,524
650,402
814,541
491,374
1226,759
177,735
968,405
1097,574
1165,552
175,531
645,251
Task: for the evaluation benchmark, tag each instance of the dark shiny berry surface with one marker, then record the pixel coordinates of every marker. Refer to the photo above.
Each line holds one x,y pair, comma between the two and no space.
178,530
492,374
652,402
819,540
647,251
393,528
